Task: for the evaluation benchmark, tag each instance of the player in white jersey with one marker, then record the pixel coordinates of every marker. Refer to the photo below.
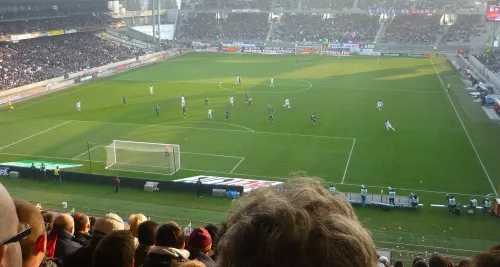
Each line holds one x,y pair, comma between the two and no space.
151,90
183,101
78,106
210,113
272,82
388,126
287,103
380,104
231,100
238,80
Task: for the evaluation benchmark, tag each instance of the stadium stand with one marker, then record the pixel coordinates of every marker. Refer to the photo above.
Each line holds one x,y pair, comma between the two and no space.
447,5
491,60
228,4
64,23
330,4
202,26
47,9
315,27
244,26
462,29
367,4
34,60
412,29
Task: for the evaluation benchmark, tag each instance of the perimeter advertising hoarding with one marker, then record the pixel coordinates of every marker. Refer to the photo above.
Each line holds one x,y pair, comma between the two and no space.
493,11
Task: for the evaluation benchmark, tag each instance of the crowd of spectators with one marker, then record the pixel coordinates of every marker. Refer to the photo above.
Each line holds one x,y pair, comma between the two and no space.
246,26
50,24
462,29
266,227
48,9
314,27
201,26
330,4
234,4
412,29
491,60
387,4
446,5
34,60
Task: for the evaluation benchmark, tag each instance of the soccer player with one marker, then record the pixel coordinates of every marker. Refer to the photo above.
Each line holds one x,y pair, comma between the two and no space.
210,113
380,104
151,90
388,126
206,100
183,101
269,106
9,104
250,101
231,101
227,114
157,109
448,87
271,115
78,106
238,80
246,97
287,103
124,99
184,109
272,82
314,119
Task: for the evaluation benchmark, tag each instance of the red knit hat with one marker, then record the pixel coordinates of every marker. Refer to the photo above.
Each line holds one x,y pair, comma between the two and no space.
200,240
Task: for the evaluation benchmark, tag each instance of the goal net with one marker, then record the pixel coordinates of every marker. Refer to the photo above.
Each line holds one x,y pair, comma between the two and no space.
143,157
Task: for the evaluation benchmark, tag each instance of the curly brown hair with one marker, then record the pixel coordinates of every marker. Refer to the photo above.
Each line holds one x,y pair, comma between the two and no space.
299,225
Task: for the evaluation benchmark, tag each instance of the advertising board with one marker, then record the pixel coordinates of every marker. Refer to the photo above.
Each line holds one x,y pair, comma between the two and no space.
493,11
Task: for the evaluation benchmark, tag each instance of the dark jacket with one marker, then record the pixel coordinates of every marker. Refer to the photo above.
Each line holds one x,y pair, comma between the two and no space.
65,245
82,238
140,254
165,256
50,262
197,255
83,257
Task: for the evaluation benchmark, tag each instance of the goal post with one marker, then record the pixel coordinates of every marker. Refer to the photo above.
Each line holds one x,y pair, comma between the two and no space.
154,158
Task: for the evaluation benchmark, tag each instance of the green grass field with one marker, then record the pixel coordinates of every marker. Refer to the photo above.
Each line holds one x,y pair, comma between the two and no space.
430,153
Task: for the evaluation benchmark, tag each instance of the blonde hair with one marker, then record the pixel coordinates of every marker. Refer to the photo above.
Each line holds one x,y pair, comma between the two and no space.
299,225
134,220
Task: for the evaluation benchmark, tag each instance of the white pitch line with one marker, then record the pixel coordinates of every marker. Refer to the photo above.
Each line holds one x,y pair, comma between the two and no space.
237,165
86,152
235,125
212,155
31,136
465,130
348,160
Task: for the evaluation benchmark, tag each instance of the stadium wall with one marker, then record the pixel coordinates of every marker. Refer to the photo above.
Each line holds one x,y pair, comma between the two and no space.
131,182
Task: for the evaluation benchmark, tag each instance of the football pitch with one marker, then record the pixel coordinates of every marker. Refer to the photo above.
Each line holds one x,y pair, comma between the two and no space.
443,142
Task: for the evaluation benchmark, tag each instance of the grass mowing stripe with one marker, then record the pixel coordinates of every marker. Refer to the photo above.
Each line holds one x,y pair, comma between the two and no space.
31,136
465,130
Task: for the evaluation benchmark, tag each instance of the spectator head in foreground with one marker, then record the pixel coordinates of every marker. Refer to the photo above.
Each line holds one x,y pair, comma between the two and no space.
467,262
436,260
33,247
107,224
489,258
82,228
49,218
420,263
398,264
200,245
299,225
415,260
147,238
61,239
169,249
134,221
117,249
10,250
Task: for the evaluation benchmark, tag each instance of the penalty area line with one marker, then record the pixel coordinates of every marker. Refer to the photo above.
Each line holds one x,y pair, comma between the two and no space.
79,155
465,129
348,160
238,164
31,136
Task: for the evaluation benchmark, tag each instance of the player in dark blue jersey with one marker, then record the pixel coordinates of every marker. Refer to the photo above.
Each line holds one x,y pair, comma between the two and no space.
157,109
124,99
271,115
246,97
227,114
184,109
206,100
269,105
314,119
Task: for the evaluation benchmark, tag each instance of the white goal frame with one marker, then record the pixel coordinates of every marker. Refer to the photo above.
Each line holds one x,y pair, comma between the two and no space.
168,163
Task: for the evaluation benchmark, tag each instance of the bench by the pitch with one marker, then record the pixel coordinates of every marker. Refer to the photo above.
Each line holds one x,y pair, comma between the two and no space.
441,206
380,200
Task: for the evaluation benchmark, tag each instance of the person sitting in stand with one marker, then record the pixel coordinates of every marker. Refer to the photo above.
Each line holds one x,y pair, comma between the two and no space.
472,205
486,205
